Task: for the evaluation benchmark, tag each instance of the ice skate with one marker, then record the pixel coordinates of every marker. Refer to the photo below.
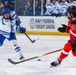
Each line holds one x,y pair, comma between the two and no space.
56,63
21,57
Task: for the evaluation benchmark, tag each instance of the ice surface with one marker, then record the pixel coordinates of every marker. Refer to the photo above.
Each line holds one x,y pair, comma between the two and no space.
34,67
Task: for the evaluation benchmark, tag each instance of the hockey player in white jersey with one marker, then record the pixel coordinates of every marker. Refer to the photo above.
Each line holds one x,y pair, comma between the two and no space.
48,8
72,2
63,6
9,24
56,8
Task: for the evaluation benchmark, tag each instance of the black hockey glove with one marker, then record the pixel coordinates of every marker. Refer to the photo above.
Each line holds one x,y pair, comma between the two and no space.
64,28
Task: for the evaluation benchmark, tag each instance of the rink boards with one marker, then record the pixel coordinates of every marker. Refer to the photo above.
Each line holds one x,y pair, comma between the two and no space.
44,25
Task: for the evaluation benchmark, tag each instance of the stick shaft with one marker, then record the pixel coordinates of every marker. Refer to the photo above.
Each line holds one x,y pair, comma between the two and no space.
13,62
52,52
29,37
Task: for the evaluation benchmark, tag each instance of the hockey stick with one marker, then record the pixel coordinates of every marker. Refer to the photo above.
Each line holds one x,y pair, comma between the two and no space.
14,63
30,38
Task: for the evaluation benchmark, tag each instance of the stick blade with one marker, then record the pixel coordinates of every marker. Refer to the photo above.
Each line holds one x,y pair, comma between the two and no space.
14,62
11,61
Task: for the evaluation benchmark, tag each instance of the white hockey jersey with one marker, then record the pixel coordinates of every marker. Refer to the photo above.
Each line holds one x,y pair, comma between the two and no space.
49,7
7,26
63,7
55,7
72,3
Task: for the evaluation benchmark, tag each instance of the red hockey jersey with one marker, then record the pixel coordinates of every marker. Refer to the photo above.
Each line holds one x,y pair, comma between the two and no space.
72,31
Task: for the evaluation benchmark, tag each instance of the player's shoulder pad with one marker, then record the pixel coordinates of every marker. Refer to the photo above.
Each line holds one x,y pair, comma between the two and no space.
12,12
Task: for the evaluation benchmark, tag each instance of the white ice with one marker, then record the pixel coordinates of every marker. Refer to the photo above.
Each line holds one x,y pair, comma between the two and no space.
33,67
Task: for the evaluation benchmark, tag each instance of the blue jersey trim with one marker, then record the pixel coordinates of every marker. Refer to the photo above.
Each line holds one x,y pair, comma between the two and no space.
3,22
4,33
13,15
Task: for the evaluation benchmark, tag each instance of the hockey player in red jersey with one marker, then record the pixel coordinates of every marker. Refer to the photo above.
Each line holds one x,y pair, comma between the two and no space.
71,30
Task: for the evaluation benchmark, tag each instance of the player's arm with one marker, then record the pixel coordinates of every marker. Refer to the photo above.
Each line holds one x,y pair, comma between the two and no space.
15,17
20,29
64,28
17,27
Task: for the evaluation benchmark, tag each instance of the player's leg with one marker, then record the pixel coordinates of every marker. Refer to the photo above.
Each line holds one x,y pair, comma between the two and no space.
17,48
63,55
73,43
74,54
